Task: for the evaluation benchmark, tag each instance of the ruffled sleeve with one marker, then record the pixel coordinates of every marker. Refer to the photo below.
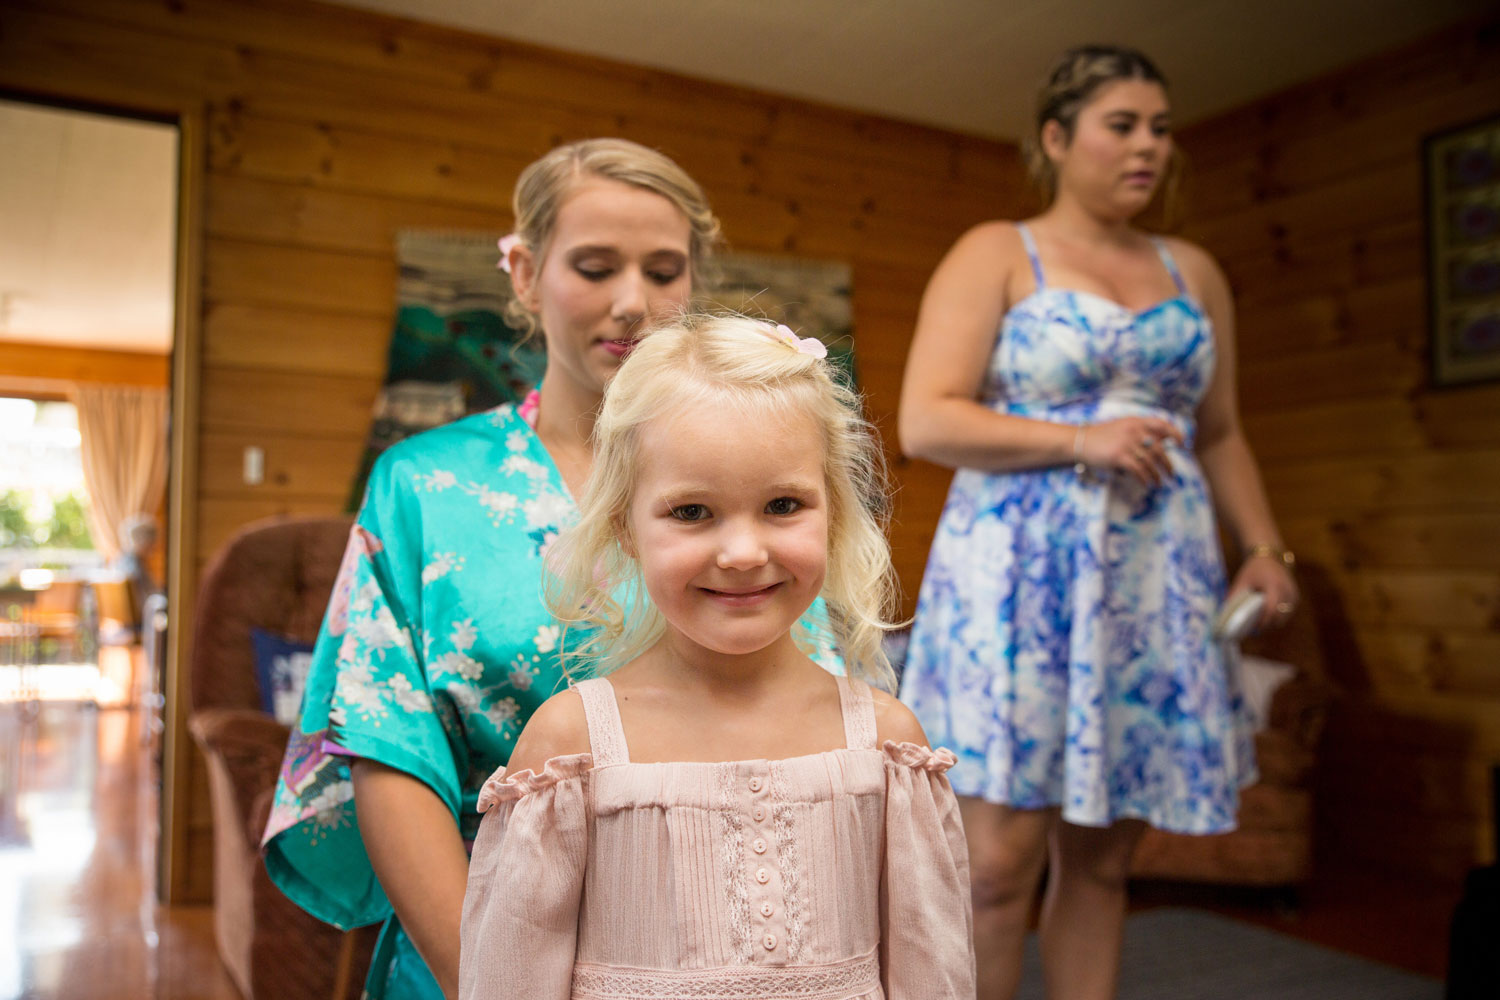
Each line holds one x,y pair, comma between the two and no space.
520,920
927,919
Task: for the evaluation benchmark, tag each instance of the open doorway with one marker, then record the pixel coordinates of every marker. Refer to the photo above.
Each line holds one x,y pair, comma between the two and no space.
87,296
89,292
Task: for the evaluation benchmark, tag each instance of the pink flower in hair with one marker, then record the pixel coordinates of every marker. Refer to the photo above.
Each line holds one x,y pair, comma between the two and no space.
811,346
506,242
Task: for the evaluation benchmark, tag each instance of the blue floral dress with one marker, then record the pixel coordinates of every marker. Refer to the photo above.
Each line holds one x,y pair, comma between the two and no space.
1062,646
435,651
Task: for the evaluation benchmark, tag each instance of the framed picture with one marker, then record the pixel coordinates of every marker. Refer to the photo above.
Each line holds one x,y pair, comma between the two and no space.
1463,252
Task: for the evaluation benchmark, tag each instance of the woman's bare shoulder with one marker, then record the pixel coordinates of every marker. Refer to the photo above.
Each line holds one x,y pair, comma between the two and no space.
996,237
1196,263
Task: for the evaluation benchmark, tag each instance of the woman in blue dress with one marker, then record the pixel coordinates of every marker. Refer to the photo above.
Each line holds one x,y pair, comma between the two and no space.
437,648
1079,375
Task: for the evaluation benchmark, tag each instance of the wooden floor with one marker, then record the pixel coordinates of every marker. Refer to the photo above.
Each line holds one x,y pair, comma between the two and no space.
78,834
78,916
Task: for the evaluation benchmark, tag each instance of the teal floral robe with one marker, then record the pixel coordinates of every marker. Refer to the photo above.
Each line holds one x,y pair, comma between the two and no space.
435,651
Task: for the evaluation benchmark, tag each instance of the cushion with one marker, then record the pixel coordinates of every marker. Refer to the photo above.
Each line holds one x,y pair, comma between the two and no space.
1259,679
281,665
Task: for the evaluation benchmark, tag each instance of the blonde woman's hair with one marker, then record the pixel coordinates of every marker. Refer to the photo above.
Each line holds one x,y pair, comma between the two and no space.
1071,83
738,366
545,184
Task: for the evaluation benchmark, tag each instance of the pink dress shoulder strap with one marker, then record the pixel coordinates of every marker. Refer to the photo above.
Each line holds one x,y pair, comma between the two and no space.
606,734
859,713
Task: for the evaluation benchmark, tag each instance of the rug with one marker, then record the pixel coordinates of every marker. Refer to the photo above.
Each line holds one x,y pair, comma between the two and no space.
1173,953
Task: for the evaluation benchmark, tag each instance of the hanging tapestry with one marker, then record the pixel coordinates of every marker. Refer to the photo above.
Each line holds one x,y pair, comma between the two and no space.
452,352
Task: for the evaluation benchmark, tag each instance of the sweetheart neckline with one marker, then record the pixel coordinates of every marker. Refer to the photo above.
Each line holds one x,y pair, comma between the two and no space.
1182,297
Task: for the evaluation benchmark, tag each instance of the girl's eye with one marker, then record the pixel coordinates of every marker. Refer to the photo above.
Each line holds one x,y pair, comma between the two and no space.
782,506
690,512
593,273
663,277
1161,130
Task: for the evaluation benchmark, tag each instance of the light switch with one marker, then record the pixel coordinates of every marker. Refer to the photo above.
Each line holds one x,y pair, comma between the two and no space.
255,465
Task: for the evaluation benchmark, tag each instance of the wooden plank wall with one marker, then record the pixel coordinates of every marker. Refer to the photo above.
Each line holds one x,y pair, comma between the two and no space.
329,129
1312,200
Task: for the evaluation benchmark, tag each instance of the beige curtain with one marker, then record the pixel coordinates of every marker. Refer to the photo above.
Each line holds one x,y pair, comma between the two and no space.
124,448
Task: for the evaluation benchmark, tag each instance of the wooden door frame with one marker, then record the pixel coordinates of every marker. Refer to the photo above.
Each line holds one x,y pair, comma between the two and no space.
173,876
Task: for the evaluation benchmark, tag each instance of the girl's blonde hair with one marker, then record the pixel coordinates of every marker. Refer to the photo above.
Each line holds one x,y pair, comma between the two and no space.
741,368
1073,81
545,184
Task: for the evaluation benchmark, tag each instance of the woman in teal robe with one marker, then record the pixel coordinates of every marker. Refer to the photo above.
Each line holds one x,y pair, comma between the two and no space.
436,647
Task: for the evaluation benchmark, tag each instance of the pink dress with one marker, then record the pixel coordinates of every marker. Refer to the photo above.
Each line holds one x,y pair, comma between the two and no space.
840,875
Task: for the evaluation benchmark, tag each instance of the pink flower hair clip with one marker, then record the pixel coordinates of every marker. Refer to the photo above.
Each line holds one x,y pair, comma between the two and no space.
505,244
811,346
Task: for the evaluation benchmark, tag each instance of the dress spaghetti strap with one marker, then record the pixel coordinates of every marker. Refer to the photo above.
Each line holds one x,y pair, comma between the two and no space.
1171,263
606,734
1032,255
859,713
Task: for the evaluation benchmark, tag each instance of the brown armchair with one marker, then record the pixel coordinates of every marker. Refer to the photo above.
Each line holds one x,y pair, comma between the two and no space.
275,575
1273,846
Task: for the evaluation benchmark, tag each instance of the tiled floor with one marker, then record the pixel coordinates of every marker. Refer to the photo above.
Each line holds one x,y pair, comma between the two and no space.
78,917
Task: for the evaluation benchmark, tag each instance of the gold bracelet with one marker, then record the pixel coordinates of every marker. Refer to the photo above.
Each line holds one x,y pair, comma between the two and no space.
1079,465
1287,557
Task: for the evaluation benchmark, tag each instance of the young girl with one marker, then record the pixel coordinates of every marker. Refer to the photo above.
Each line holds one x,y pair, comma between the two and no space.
714,815
437,648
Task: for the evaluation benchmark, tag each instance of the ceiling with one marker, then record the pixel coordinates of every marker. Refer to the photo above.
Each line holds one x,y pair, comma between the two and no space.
969,65
86,248
87,202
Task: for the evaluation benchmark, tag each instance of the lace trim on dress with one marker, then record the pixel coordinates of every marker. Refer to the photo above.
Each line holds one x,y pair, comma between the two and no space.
854,976
859,713
501,787
736,889
606,733
786,852
920,757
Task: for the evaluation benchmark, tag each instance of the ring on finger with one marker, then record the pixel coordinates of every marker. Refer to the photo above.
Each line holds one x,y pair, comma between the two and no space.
1285,608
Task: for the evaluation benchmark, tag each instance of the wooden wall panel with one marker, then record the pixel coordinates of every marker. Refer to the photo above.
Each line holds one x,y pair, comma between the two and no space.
280,338
1312,200
330,129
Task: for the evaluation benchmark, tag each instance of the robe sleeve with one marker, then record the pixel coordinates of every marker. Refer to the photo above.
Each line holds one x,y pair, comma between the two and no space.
368,696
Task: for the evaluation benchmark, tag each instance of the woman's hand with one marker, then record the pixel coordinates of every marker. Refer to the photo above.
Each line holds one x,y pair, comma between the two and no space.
1269,575
1135,446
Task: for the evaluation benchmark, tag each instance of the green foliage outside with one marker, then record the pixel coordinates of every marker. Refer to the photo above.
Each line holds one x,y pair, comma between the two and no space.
15,527
66,527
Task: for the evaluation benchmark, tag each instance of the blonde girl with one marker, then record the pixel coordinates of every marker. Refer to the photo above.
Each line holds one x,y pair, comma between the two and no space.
436,648
718,816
